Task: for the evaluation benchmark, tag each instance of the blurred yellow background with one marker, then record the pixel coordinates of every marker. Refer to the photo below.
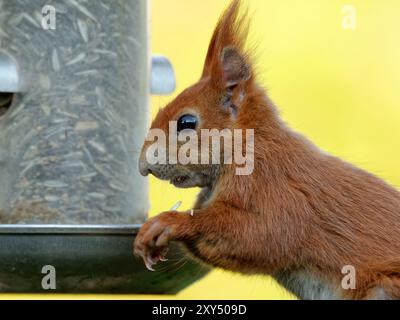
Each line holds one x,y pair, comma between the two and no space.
338,85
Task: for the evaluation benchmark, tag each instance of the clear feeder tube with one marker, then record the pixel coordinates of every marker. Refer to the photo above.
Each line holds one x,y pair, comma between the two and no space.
70,141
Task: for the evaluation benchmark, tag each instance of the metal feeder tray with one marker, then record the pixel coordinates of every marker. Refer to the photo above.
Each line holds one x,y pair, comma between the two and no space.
87,259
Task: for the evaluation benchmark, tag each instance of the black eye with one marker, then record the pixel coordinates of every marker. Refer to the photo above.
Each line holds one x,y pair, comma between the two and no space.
187,121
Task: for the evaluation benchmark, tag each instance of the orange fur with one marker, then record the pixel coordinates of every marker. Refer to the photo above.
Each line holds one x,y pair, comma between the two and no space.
302,214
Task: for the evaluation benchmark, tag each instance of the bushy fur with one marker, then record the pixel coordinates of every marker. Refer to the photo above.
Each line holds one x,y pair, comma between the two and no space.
301,216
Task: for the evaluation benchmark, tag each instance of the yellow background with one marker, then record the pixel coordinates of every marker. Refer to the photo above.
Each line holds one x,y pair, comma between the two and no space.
341,88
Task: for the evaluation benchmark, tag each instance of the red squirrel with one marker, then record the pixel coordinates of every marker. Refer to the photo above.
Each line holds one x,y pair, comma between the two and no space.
301,216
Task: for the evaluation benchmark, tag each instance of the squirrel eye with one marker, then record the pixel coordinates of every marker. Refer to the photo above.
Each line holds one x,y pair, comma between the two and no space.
187,121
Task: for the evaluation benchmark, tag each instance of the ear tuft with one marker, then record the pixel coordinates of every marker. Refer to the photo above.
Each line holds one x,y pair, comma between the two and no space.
235,67
231,31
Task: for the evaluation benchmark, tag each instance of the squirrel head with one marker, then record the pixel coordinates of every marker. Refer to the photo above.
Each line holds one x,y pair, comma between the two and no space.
216,101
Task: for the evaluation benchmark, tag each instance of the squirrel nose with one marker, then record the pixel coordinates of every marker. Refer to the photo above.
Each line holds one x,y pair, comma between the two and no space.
144,168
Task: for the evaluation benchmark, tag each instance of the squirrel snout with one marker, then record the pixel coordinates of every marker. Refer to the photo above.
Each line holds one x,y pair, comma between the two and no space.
144,168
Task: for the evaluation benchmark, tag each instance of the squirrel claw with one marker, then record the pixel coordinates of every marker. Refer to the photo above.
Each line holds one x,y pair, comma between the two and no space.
149,263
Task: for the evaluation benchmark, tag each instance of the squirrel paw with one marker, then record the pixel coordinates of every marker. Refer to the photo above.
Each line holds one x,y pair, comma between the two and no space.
154,237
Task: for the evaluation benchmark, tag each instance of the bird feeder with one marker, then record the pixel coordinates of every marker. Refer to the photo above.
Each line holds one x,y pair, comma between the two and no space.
75,79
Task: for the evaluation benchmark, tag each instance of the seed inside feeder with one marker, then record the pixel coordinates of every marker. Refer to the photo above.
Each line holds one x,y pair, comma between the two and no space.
76,130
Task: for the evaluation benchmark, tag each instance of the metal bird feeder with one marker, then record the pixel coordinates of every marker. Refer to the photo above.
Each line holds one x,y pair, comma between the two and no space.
74,86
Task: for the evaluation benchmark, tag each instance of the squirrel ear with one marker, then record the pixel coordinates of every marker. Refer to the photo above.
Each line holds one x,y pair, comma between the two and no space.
235,67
